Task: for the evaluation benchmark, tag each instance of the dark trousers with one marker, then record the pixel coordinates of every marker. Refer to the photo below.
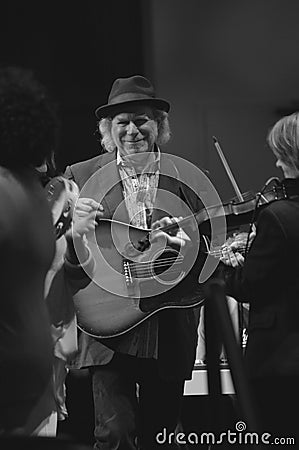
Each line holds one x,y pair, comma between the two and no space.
130,417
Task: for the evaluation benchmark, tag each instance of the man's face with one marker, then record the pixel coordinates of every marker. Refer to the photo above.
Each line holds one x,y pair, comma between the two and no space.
135,131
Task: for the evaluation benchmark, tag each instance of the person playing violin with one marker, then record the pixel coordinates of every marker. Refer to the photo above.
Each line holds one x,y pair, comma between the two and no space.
267,278
159,354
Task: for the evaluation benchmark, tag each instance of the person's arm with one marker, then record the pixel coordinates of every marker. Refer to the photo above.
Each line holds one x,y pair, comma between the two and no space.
79,262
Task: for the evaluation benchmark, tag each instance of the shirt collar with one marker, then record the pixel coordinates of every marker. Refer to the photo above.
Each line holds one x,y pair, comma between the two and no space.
151,166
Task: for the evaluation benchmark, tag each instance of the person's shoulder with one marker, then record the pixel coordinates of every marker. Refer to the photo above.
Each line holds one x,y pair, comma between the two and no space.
92,162
183,168
84,169
280,212
19,196
96,161
281,207
10,187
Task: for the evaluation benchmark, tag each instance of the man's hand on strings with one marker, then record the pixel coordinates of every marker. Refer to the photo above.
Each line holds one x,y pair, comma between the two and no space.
177,236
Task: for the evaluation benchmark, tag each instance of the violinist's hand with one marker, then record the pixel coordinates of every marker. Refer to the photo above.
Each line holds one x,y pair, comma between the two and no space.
180,239
252,234
239,241
231,258
85,206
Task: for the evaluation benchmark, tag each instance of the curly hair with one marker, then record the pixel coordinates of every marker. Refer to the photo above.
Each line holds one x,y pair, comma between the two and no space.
29,125
107,142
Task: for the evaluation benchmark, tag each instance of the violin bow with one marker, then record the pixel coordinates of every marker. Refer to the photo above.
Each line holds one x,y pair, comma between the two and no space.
228,170
241,199
233,182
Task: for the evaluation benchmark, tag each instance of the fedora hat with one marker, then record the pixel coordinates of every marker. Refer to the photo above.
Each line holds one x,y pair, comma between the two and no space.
129,91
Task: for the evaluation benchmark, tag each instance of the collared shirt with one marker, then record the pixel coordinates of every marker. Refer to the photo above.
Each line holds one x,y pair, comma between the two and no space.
140,190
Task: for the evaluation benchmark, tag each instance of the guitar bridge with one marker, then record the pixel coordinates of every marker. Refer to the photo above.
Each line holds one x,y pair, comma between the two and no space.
127,273
130,285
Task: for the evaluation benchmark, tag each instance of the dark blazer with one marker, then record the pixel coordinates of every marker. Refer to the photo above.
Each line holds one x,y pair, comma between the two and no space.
177,328
269,281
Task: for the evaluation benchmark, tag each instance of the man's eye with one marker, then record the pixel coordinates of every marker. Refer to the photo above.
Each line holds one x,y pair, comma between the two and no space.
140,122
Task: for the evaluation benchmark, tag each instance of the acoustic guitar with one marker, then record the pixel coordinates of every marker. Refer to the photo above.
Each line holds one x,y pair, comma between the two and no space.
134,279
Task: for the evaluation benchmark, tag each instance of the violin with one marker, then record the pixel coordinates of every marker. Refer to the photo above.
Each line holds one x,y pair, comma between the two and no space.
246,211
233,213
239,211
236,213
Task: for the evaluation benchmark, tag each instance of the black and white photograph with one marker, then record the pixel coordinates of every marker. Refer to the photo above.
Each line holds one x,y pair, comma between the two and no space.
149,198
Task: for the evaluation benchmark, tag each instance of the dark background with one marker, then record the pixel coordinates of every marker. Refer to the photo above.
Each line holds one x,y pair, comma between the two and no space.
77,49
229,68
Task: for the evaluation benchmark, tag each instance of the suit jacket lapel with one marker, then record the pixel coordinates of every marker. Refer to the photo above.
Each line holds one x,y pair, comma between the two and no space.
111,187
104,185
166,202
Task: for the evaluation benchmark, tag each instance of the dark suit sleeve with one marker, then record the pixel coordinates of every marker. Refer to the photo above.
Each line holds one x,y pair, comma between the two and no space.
262,269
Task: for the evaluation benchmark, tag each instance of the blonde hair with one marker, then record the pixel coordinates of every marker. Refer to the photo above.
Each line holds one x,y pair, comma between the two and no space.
283,140
161,117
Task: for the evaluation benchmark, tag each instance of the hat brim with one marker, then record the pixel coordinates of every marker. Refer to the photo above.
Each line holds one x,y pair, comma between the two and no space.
113,109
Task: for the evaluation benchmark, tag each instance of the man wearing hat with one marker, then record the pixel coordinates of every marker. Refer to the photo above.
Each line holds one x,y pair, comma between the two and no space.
158,355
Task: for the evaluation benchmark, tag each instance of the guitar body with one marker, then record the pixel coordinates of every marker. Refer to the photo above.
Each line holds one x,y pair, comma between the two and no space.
131,283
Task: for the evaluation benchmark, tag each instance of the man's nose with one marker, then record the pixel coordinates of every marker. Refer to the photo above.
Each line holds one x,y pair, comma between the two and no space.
131,128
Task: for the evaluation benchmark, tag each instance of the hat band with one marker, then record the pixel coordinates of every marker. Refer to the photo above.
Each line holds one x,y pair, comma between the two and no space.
129,97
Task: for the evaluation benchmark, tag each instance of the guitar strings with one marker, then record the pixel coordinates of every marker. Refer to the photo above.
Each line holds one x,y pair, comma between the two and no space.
143,274
140,269
143,268
157,262
149,268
